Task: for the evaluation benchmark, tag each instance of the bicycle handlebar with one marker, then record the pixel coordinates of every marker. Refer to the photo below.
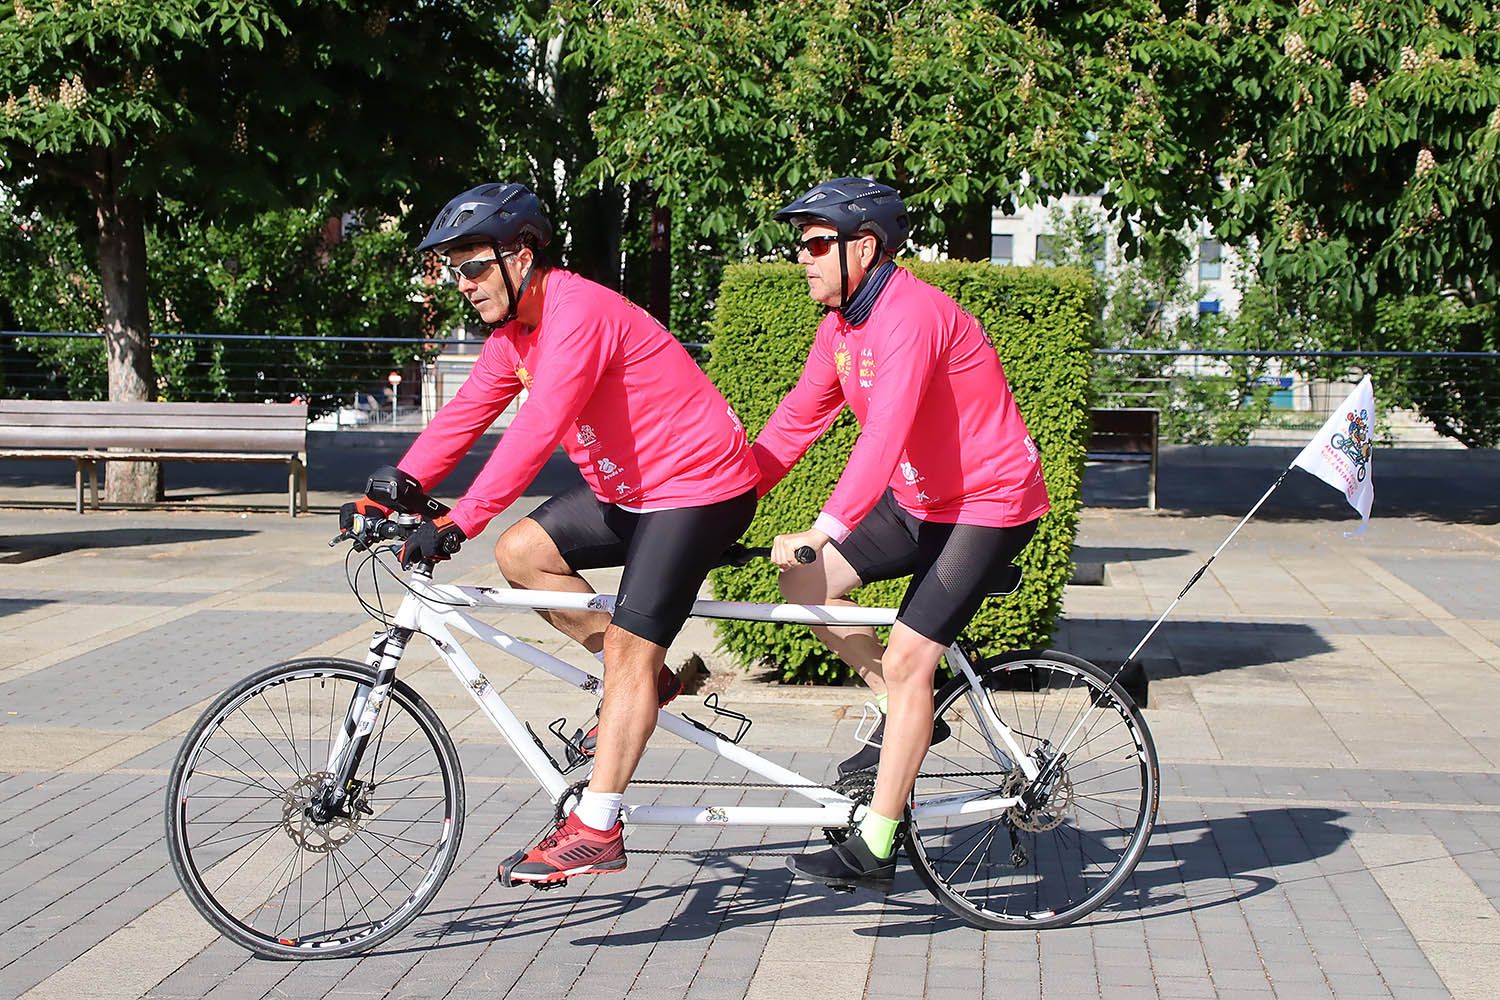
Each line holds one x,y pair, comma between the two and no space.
740,555
368,530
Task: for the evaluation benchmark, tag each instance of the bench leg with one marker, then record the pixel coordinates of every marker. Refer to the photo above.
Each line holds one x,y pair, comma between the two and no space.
85,467
1151,481
296,487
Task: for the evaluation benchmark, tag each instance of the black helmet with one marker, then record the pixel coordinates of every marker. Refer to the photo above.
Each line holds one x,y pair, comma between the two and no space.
502,214
852,205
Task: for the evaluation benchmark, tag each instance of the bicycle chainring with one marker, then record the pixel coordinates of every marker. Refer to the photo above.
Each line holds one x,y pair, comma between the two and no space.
858,786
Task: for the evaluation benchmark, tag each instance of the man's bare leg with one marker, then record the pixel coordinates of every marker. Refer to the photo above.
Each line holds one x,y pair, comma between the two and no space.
910,661
826,581
628,714
529,560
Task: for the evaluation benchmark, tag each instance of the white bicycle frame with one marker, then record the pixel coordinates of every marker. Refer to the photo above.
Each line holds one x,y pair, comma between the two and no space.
434,610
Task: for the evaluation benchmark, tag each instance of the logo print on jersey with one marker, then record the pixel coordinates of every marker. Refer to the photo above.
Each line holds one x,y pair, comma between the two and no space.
621,490
922,497
841,362
866,368
910,474
524,376
734,418
609,468
586,436
1031,450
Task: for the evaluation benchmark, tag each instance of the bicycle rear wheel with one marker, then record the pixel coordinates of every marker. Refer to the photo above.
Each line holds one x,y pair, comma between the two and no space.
1050,865
253,859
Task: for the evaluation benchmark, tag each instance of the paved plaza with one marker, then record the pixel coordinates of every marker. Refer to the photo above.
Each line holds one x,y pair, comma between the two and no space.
1325,711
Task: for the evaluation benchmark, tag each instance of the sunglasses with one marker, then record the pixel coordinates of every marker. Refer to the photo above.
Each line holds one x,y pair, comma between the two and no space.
472,268
816,246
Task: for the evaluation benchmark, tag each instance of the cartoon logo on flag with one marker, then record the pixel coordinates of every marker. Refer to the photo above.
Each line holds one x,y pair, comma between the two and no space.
1355,441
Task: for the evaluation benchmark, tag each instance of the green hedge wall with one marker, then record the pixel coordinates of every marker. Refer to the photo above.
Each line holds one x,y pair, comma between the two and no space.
1042,322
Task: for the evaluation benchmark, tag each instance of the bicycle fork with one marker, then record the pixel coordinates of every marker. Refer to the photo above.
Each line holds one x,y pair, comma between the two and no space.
342,790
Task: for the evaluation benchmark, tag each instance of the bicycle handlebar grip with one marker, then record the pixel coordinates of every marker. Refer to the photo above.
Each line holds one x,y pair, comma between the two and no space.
805,554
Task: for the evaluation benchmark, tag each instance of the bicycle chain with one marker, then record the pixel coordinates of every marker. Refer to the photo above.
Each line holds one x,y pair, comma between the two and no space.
861,797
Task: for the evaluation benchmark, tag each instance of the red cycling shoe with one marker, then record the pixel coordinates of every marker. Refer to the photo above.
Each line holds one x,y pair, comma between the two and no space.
571,849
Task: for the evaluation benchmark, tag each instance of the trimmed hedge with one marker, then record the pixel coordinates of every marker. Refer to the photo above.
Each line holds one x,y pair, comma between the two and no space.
1042,322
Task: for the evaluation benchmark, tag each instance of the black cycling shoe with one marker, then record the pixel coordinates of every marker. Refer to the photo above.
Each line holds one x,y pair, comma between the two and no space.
868,756
845,866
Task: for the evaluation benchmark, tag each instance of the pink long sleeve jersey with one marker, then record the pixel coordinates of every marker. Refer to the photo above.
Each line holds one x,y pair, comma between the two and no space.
938,422
644,425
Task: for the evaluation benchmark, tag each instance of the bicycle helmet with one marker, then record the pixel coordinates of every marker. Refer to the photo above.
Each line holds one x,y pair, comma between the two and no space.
852,205
507,216
502,214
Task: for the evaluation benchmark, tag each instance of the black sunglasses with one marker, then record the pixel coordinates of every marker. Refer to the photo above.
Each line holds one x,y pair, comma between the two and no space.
816,246
472,268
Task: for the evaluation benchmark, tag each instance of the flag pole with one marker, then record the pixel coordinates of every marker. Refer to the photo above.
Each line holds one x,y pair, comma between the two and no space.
1198,575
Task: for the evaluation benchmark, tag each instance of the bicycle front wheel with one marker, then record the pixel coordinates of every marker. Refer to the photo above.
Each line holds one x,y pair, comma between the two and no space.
247,845
1048,865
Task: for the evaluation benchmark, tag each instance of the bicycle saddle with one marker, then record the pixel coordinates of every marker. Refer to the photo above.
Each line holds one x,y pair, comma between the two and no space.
1006,581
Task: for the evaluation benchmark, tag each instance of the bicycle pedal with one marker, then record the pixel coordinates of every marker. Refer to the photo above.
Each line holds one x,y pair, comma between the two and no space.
842,888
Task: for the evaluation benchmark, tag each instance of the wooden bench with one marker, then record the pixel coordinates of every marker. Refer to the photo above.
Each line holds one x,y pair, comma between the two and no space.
94,432
1126,435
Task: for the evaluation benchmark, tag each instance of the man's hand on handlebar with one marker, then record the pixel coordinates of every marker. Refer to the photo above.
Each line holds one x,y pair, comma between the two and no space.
789,550
434,539
358,517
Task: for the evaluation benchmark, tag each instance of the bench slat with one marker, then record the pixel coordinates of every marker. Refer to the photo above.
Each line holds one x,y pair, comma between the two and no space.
180,439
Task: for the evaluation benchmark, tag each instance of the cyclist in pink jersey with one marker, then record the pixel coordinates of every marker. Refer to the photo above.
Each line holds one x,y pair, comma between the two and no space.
944,483
669,481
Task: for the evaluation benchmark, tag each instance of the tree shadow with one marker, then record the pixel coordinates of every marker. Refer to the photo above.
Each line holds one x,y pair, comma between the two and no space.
1112,553
1189,648
115,538
15,606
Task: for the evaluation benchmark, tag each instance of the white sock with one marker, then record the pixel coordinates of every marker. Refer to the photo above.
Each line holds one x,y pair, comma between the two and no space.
599,656
599,810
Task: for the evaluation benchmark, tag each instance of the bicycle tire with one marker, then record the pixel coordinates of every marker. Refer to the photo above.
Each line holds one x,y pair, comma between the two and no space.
1029,882
272,792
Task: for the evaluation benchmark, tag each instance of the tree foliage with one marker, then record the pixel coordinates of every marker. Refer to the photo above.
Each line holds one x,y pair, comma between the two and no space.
111,111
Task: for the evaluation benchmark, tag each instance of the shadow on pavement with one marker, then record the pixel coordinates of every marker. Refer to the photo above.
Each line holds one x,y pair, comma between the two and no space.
1189,648
118,538
1191,865
1212,862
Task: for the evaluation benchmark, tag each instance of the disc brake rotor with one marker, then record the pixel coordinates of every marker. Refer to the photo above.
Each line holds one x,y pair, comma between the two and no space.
1048,815
319,838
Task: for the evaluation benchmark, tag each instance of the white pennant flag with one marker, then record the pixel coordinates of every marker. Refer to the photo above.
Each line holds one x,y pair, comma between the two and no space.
1340,454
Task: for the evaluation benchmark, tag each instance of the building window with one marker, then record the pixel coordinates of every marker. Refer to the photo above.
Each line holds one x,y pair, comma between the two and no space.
1002,248
1208,307
1046,249
1210,261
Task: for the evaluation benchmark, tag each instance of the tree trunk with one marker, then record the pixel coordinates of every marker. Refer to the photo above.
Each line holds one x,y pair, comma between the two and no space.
122,276
661,265
968,228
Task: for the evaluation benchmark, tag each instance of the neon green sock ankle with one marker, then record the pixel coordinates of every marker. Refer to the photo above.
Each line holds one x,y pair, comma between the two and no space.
881,700
879,834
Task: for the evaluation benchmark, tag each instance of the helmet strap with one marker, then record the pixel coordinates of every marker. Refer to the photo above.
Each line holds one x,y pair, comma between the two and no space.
513,292
843,271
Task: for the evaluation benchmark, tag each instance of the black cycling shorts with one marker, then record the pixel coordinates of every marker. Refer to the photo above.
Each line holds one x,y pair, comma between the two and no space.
952,566
666,553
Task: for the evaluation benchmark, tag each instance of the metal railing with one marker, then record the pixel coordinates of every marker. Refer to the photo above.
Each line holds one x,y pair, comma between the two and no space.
1205,397
1433,399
